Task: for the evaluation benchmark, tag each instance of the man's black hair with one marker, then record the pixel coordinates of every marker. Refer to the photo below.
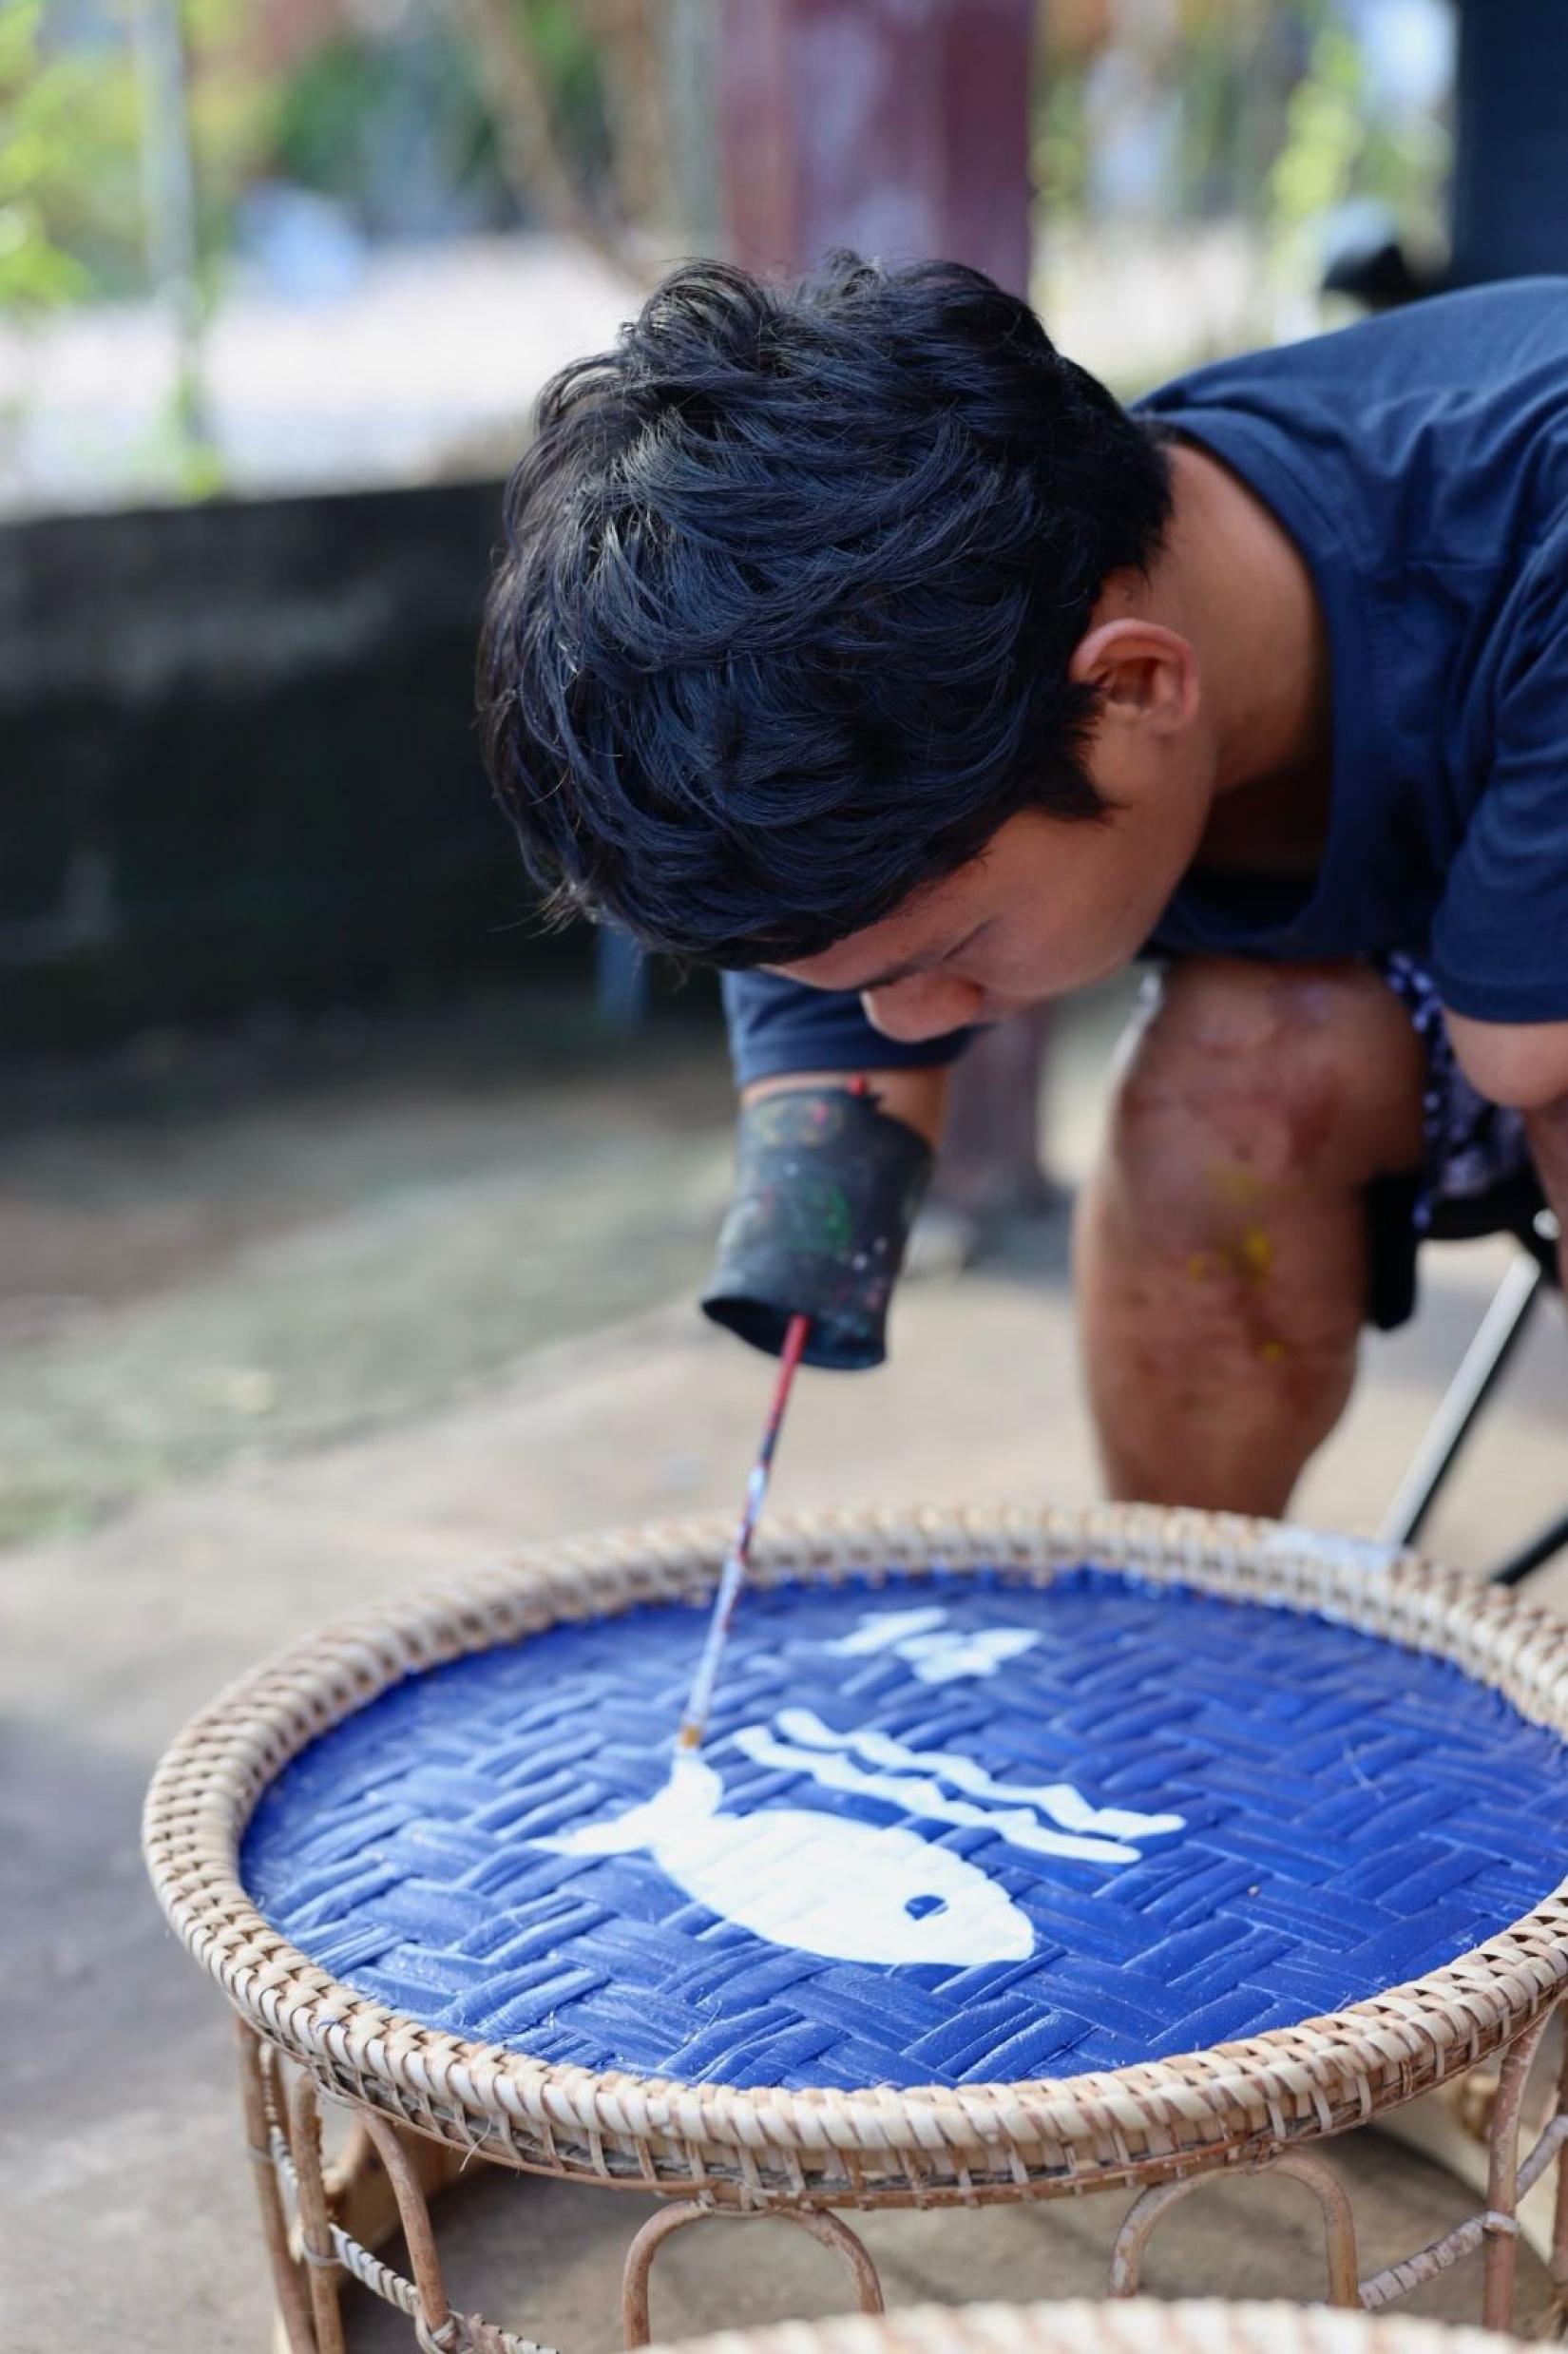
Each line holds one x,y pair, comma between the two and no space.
792,579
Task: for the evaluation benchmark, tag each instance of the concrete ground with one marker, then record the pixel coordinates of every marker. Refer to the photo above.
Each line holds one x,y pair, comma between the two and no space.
282,1345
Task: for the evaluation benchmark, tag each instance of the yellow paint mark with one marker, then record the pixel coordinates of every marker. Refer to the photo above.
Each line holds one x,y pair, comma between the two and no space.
1272,1353
1249,1258
1254,1254
1234,1182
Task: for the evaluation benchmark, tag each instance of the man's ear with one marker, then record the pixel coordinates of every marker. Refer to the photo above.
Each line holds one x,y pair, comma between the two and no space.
1144,675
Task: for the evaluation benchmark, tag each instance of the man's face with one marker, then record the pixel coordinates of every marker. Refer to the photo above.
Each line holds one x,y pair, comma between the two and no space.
1050,904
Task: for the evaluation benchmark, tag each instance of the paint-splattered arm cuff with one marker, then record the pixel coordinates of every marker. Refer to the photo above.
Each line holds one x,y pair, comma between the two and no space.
827,1188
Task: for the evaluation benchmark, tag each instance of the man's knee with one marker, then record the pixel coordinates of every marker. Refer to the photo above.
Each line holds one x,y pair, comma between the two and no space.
1244,1077
1223,1247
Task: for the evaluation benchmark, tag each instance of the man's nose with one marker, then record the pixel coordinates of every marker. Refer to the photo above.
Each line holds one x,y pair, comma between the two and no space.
926,1004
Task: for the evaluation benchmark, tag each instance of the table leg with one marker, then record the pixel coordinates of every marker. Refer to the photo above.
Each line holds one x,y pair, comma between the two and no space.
1339,2230
322,2267
435,2313
830,2229
287,2287
359,2196
1557,2263
1501,2224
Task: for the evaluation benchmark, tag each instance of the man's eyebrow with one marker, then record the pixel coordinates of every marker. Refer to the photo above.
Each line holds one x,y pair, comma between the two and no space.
918,964
894,973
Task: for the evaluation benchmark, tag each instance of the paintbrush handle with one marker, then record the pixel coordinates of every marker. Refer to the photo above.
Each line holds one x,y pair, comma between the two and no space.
695,1723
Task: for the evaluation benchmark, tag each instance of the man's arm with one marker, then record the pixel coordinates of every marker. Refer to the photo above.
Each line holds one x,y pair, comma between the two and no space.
919,1098
837,1134
1500,939
1499,948
829,1179
1525,1066
1522,1064
1547,1129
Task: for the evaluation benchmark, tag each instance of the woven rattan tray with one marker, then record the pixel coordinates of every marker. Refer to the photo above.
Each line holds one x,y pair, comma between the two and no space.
1245,2101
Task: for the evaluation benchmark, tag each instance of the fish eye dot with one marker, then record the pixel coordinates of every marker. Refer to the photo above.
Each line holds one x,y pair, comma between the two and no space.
918,1906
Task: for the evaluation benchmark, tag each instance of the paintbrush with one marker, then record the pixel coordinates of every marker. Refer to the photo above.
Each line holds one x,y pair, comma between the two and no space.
694,1725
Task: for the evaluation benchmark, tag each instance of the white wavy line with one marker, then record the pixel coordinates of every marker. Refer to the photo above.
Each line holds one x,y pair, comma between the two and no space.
932,1656
1019,1826
881,1630
1059,1800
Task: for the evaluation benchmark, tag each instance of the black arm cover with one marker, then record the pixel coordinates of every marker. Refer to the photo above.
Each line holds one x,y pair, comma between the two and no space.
827,1188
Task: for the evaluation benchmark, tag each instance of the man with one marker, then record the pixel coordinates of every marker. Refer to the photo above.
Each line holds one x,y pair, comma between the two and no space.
854,640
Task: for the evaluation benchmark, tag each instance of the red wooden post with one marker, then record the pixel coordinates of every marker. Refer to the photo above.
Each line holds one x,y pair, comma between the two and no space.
900,128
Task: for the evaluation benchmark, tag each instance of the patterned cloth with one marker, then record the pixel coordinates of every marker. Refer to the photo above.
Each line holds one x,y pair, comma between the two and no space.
1477,1176
1472,1147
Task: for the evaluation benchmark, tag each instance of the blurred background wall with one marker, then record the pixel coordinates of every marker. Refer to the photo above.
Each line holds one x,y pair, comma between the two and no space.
281,279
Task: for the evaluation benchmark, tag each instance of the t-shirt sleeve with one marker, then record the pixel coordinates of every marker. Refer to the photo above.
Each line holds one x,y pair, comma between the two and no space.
1499,938
778,1026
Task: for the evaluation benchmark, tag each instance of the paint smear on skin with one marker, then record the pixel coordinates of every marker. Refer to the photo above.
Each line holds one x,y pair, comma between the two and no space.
1254,1255
1234,1182
1250,1258
817,1883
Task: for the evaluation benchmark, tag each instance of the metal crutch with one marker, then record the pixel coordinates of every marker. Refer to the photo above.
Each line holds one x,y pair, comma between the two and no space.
1498,1335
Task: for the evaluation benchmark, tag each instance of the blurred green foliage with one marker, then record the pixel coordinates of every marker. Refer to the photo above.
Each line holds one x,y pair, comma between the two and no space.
37,102
71,208
1268,100
1060,146
573,72
232,107
400,123
1274,122
1326,135
393,123
1336,146
88,187
378,123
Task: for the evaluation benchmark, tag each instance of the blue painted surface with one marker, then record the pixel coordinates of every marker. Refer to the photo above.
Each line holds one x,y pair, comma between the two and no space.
1354,1814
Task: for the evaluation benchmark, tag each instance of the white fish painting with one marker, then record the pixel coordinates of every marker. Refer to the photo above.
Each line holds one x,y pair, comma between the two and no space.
932,1654
857,1892
913,1779
818,1882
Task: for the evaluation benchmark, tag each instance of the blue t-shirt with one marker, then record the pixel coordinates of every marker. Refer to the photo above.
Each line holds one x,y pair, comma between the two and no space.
1420,463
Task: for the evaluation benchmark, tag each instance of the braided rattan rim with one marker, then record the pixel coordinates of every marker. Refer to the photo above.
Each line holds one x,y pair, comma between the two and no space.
1143,2326
1239,2101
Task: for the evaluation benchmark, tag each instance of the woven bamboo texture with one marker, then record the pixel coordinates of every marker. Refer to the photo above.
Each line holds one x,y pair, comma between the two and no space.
1143,2327
1240,2101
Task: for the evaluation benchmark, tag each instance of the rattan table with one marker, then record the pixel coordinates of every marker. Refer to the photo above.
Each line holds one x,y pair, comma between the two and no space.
1224,1838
